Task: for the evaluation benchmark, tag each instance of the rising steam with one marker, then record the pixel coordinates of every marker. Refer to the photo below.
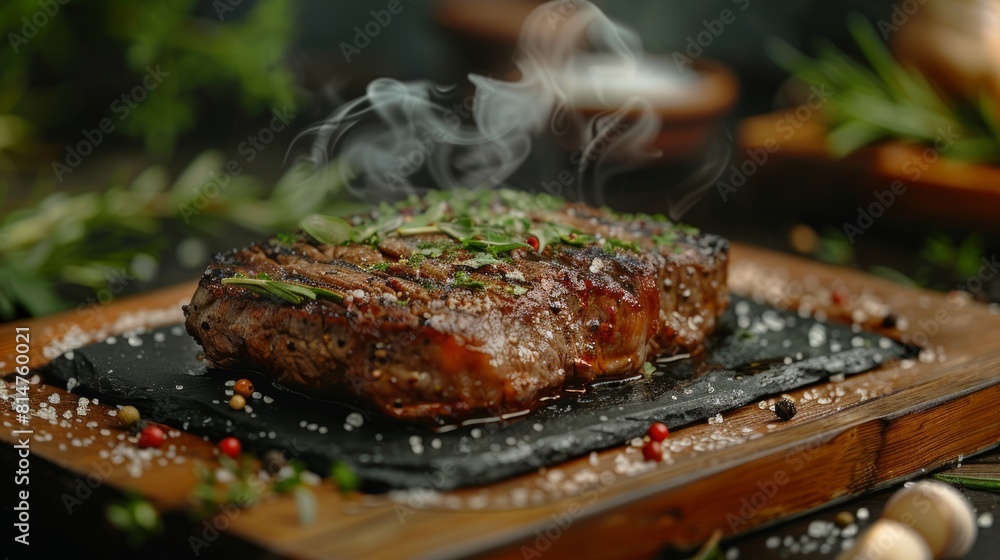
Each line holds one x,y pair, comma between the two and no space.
402,138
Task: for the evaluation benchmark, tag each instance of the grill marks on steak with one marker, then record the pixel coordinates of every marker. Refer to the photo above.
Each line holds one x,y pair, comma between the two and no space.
410,343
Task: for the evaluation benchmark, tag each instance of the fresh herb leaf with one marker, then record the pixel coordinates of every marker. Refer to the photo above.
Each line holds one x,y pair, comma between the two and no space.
459,229
516,290
379,227
435,213
346,479
328,230
648,369
480,260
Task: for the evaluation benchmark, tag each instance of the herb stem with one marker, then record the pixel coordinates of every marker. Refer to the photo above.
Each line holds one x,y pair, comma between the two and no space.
288,291
977,482
417,230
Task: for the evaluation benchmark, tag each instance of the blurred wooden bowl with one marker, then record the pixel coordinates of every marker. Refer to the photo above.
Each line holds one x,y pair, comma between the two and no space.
690,102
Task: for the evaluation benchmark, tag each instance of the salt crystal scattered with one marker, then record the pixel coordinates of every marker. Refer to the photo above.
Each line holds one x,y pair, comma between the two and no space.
355,419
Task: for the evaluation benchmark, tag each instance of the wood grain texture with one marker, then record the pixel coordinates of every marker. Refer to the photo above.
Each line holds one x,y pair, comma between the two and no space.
865,432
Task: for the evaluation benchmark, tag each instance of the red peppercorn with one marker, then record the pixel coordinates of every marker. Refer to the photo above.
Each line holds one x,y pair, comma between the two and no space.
243,388
658,431
652,451
231,447
151,436
533,241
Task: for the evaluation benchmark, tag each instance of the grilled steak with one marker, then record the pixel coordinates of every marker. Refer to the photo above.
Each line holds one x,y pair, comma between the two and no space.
461,304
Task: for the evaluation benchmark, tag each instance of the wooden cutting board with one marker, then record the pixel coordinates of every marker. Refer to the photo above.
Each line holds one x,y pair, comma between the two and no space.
849,437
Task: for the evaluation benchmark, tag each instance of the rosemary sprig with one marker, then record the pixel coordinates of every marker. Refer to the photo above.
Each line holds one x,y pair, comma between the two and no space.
977,482
882,99
472,219
288,291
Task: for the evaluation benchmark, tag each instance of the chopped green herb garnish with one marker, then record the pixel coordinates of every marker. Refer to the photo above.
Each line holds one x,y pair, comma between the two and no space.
463,280
648,369
516,290
286,238
416,259
483,221
429,286
613,243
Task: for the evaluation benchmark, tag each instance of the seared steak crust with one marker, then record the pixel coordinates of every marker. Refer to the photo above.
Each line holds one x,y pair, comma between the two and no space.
431,338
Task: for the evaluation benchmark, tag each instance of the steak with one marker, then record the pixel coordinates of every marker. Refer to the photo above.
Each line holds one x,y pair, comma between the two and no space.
461,304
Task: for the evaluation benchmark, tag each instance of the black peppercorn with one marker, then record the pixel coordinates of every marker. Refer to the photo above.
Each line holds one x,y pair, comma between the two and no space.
889,321
785,409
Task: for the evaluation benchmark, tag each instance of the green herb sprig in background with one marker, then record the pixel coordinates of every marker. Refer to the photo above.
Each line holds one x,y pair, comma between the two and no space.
880,99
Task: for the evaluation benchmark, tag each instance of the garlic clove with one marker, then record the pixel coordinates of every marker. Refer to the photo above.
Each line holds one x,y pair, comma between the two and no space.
940,513
888,539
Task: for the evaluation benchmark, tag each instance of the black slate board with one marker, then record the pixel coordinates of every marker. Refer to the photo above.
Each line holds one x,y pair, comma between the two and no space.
160,373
